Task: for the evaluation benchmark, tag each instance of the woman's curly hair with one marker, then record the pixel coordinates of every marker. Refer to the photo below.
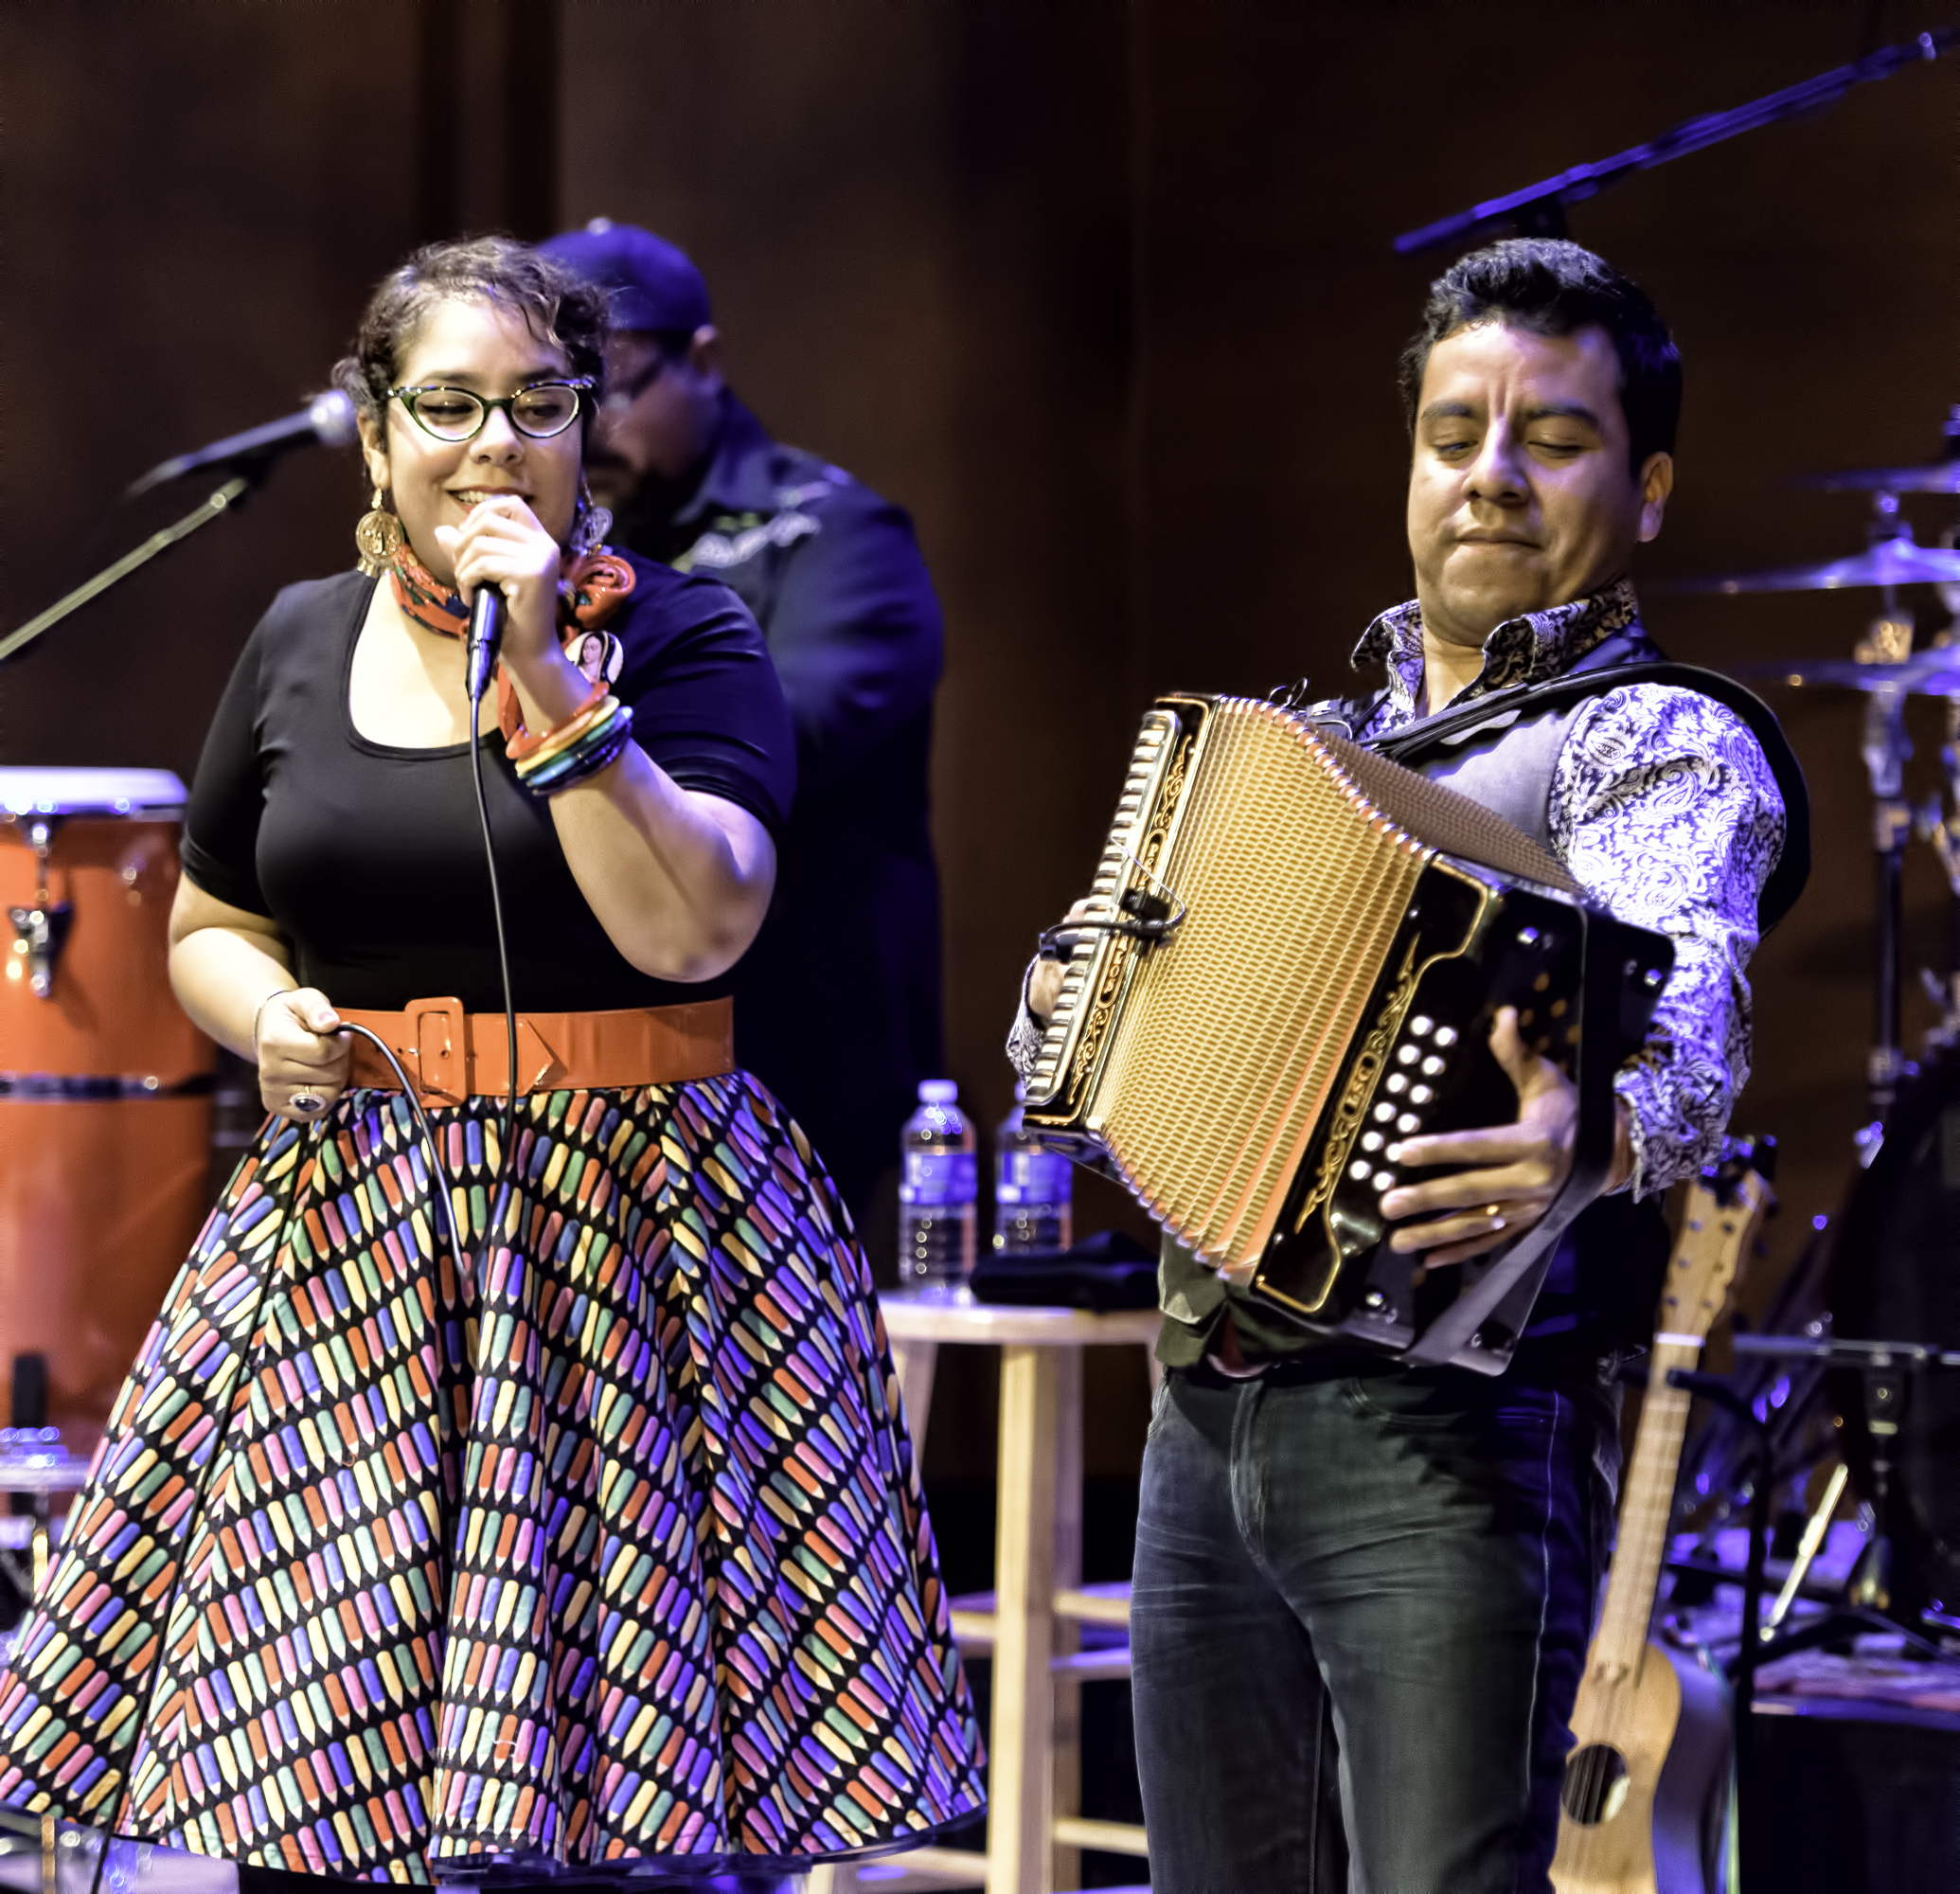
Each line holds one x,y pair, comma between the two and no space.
557,307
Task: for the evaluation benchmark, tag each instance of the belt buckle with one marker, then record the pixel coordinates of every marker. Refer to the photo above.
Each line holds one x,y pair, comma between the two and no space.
439,1031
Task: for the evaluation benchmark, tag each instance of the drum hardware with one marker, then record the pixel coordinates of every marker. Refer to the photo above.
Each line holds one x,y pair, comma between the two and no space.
1930,819
39,935
1707,1571
1716,1465
1931,673
33,1461
1815,1527
1887,748
76,1087
1879,1596
1867,1604
39,930
58,1857
1887,671
1893,559
1939,476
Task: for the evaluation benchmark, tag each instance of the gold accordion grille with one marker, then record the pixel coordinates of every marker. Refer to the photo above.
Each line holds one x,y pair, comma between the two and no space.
1233,1029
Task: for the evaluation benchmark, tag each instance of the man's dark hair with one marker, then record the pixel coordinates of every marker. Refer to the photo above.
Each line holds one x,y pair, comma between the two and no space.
1552,288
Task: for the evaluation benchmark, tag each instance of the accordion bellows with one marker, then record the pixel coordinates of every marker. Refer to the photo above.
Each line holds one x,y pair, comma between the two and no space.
1202,1062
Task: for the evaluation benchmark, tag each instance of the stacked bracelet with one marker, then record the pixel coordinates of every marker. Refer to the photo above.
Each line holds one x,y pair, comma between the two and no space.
583,744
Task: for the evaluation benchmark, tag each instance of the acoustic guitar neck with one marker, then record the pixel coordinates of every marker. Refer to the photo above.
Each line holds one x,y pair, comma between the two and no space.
1617,1835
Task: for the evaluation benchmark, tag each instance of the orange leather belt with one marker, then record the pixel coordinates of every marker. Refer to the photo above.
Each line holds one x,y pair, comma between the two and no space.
452,1055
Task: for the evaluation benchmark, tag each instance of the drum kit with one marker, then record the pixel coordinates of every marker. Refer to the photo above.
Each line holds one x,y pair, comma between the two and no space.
1870,1316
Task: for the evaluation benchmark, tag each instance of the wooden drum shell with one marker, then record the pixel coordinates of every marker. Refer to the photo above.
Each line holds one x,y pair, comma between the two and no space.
105,1121
112,1013
101,1200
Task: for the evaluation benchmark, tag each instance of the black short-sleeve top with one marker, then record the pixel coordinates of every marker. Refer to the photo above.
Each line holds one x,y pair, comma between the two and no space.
370,858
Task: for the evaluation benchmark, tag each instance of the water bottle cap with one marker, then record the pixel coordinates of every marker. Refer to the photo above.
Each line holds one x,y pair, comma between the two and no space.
938,1092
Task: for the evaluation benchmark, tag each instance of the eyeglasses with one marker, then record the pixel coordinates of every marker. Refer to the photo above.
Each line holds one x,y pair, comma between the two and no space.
622,397
541,411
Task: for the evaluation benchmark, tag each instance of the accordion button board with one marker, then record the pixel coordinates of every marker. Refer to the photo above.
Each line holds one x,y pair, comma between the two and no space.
1293,954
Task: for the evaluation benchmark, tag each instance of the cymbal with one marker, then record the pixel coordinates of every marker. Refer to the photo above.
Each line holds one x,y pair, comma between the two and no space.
1941,477
1898,560
1926,673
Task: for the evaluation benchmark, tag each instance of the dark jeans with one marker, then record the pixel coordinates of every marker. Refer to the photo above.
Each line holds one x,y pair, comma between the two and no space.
1380,1586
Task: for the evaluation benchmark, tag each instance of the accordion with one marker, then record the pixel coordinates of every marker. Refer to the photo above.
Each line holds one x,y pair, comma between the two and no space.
1293,953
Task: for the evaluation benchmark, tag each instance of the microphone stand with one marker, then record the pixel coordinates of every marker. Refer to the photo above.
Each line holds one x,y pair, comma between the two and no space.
1539,209
228,496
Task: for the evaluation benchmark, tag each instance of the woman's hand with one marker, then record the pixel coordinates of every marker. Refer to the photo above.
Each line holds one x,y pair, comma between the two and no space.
1522,1166
501,543
303,1060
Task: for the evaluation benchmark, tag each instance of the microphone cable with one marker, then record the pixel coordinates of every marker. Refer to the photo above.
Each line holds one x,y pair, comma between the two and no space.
476,680
486,628
438,1181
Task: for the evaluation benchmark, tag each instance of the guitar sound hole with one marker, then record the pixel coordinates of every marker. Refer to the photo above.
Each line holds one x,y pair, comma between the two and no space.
1596,1785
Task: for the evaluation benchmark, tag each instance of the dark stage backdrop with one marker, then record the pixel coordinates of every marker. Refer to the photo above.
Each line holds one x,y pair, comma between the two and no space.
1102,291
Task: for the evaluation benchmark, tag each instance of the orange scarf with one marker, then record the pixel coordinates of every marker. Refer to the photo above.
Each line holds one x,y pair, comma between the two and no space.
593,587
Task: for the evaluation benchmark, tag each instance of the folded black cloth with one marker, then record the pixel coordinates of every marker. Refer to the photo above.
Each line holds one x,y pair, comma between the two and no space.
1103,1271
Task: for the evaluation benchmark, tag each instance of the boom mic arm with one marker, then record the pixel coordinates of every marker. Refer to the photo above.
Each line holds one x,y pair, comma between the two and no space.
327,421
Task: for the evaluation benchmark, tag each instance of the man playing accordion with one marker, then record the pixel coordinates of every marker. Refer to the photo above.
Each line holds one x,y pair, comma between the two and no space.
1362,1590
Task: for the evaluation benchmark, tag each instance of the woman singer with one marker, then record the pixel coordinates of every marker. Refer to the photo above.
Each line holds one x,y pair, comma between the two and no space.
549,1504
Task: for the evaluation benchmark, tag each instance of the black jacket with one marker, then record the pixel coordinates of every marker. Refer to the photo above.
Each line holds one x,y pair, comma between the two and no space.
838,1003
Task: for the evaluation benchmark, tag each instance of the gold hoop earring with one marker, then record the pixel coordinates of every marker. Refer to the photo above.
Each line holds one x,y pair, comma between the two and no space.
378,537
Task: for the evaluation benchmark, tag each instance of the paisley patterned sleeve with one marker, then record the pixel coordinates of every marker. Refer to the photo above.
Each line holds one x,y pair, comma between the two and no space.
1026,1035
1664,807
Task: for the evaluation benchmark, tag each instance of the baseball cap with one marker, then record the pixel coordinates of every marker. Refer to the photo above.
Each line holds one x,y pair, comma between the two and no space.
650,283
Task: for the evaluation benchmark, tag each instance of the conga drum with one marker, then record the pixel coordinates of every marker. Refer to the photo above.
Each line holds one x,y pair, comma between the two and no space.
105,1086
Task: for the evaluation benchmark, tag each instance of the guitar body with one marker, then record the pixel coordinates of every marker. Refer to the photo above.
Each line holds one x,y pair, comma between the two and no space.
1647,1783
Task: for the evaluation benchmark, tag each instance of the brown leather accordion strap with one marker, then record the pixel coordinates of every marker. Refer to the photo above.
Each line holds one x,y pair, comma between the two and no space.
452,1055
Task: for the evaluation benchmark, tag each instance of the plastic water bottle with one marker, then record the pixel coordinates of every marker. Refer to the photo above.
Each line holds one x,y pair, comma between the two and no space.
936,1190
1032,1212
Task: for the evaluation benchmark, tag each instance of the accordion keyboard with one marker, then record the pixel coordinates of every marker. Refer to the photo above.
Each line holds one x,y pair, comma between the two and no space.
1141,787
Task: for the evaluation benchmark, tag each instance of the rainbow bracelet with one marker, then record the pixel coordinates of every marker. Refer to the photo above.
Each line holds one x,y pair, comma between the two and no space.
578,749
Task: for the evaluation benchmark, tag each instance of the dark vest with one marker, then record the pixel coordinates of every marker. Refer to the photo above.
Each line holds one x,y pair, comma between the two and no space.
1501,750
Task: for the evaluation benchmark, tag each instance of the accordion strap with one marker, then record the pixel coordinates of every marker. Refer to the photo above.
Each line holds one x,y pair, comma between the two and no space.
1418,745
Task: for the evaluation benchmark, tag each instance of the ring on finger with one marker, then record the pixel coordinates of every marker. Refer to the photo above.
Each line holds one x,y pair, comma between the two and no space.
306,1101
1495,1213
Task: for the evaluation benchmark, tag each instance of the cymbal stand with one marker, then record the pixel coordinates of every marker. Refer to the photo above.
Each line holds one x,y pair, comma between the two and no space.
1888,638
1886,748
1939,828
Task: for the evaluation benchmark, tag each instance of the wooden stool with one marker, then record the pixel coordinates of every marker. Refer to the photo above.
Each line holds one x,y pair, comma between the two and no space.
1034,1833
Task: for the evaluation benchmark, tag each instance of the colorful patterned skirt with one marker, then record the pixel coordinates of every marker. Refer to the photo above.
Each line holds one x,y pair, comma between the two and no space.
613,1550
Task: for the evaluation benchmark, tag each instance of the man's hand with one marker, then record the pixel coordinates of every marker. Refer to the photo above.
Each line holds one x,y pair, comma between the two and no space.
1521,1167
1044,983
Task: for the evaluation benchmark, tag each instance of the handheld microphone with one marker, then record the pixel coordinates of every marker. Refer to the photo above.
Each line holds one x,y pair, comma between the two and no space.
327,421
486,638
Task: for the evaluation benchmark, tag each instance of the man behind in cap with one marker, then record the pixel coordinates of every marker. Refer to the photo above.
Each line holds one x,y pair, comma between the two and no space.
837,1006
